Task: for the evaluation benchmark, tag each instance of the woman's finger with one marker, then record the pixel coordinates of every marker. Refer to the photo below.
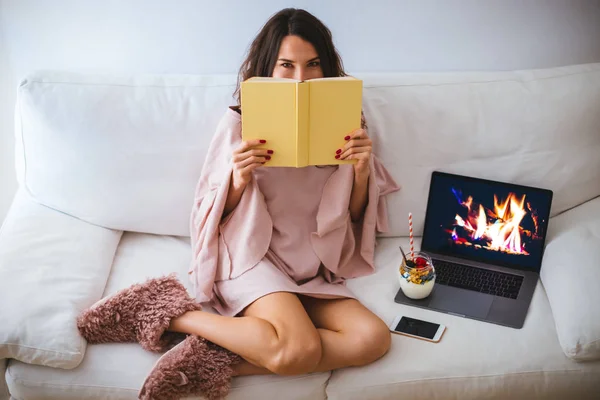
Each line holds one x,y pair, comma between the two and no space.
251,160
356,143
249,168
355,151
248,144
357,134
251,153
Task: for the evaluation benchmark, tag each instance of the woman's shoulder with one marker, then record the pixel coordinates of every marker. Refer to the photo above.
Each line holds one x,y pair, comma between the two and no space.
233,113
230,119
229,127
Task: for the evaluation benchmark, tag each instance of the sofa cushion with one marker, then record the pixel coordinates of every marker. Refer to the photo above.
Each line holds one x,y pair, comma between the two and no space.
474,360
571,276
120,152
116,371
129,150
537,127
52,266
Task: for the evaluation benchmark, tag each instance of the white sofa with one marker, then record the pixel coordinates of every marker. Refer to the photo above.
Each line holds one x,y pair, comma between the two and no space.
107,167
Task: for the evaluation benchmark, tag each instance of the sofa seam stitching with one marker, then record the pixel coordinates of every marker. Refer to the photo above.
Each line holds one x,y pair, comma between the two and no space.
38,348
523,80
28,383
476,377
130,86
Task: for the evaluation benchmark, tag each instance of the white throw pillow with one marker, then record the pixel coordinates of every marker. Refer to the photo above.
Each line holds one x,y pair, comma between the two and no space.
571,276
52,266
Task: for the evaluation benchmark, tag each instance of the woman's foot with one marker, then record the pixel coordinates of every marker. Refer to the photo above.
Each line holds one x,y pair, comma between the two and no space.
141,313
193,367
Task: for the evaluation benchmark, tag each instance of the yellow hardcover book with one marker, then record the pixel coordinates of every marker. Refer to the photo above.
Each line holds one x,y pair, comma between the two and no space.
303,122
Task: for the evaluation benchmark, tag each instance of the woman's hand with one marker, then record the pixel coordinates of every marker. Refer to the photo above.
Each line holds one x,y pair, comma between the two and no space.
246,158
358,147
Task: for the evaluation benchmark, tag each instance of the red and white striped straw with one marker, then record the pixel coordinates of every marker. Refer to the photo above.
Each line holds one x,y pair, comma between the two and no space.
410,232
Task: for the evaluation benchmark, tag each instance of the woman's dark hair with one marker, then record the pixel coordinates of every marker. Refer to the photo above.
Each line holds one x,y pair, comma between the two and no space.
262,55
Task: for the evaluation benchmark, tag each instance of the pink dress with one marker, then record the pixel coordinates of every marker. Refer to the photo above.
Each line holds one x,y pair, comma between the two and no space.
291,231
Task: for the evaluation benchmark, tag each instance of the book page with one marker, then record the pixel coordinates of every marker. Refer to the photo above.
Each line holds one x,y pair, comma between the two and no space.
335,111
269,113
271,79
336,78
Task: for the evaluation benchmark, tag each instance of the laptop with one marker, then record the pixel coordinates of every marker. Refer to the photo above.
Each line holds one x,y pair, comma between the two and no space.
486,240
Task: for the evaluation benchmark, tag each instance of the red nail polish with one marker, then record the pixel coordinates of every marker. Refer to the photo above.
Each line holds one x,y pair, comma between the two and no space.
263,141
268,157
338,151
347,138
270,151
337,157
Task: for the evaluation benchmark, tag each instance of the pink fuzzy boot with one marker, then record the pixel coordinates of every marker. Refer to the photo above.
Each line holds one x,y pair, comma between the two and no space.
193,367
141,313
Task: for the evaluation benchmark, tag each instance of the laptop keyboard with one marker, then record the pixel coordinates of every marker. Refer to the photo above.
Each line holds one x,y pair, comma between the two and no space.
477,279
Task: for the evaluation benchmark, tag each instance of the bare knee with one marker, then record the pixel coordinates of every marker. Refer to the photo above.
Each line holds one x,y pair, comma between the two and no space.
370,341
296,356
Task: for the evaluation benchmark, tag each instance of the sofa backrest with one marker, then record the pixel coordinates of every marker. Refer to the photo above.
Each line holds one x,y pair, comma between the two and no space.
126,152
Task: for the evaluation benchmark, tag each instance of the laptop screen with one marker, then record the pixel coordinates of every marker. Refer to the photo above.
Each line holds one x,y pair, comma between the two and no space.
486,221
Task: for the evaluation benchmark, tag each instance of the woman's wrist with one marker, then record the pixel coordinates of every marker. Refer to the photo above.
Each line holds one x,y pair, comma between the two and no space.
236,185
359,195
234,195
362,176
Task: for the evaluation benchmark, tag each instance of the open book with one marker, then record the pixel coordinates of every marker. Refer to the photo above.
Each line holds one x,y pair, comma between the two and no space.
303,122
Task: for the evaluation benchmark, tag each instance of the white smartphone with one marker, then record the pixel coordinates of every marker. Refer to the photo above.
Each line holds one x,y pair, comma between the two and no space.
417,328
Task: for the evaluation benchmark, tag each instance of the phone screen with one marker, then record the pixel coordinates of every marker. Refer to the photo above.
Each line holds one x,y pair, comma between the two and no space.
417,327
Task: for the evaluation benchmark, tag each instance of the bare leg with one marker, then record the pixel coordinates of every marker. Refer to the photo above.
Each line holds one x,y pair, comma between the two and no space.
348,334
274,332
248,336
334,356
351,334
245,368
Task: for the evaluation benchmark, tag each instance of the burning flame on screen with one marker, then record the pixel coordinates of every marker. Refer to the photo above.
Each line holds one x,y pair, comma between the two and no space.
499,228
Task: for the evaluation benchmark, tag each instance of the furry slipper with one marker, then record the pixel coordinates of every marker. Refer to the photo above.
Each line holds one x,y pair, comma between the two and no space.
141,313
193,367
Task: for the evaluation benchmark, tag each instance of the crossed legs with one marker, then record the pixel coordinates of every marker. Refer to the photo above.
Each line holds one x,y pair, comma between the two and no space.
285,334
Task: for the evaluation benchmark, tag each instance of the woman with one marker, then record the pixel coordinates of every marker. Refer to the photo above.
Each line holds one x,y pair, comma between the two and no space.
272,248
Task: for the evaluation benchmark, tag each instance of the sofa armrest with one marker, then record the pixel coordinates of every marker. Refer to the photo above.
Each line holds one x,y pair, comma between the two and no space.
4,394
52,266
571,276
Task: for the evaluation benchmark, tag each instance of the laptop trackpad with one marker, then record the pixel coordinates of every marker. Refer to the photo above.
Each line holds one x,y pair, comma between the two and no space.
461,301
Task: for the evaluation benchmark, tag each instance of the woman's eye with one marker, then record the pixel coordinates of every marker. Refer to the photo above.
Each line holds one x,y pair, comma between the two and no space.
286,65
314,64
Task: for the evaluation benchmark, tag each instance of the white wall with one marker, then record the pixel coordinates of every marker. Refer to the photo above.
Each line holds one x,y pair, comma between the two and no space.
8,183
207,36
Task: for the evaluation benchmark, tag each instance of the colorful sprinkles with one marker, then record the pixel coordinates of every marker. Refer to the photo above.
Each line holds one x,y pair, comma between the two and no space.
417,271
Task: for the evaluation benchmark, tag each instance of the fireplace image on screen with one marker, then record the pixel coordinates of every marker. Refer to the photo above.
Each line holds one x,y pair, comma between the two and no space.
509,226
487,221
